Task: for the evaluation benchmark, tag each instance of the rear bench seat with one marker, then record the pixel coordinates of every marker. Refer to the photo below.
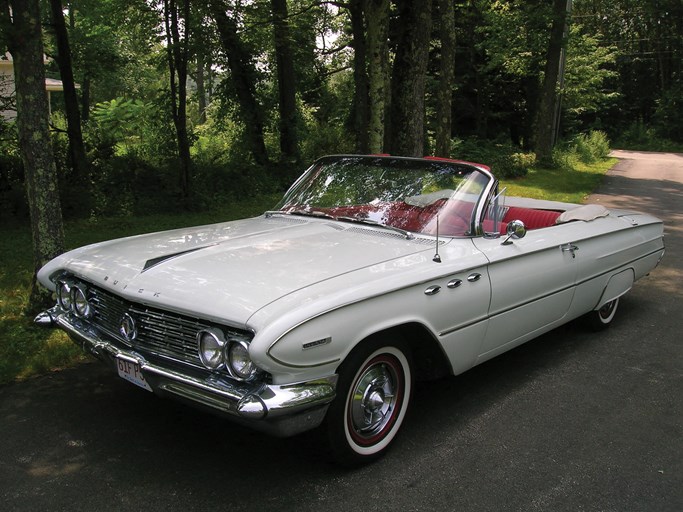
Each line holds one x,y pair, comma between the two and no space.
532,219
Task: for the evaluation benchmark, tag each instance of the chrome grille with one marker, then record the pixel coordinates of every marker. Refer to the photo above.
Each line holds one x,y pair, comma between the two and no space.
167,334
161,333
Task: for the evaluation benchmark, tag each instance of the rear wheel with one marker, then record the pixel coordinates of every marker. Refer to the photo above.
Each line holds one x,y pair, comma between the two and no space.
373,394
602,318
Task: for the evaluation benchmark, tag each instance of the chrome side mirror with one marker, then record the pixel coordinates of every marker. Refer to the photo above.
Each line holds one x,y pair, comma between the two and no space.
515,230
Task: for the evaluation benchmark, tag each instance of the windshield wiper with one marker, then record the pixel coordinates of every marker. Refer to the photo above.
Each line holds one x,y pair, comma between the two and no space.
301,213
407,234
318,214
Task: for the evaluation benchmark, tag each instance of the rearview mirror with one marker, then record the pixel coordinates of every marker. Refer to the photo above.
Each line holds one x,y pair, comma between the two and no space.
515,230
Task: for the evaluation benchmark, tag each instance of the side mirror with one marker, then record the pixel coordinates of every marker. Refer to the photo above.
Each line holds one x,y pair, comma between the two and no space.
515,230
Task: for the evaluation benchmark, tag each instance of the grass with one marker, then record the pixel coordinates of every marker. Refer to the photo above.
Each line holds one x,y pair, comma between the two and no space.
569,186
27,350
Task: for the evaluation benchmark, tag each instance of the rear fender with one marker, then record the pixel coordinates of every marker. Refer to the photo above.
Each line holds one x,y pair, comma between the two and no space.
617,286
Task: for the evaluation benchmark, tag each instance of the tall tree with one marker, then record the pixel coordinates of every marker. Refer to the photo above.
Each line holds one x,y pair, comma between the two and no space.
286,81
73,116
544,127
447,72
360,76
408,77
242,74
20,19
177,17
377,19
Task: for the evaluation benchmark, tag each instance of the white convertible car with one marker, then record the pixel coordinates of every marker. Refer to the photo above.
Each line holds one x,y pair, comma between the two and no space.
372,272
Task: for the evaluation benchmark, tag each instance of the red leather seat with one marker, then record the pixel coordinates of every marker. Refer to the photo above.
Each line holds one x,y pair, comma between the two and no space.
532,219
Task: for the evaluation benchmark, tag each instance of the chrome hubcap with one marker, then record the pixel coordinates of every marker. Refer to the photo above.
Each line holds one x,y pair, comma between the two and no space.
374,400
606,310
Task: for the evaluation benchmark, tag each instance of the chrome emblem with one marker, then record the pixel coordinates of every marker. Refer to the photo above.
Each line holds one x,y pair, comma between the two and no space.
127,328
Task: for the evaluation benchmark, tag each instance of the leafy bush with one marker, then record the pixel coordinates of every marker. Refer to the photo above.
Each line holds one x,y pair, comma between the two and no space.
505,160
565,159
224,168
639,136
591,147
12,197
668,118
584,148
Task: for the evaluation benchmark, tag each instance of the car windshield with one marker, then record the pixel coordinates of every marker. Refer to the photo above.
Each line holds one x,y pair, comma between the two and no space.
412,195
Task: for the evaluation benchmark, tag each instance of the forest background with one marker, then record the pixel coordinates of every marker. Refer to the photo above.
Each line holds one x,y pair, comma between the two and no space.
186,104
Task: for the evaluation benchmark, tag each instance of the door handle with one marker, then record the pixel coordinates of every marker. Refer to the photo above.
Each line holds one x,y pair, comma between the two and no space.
570,248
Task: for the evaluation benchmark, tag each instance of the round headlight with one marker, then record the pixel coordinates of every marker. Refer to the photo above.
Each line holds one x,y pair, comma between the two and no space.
210,347
239,362
80,303
64,295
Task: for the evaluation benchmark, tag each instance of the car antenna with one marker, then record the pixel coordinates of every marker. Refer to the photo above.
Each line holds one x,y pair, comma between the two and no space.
437,258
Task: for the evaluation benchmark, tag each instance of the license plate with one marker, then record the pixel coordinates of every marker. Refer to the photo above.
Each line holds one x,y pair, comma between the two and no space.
132,373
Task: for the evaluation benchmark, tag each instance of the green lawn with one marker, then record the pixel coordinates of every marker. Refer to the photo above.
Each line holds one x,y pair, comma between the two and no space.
27,350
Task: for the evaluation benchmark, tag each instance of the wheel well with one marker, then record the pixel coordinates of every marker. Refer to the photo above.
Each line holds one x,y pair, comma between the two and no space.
429,360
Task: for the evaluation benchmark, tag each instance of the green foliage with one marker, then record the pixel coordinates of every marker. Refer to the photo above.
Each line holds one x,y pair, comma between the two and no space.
224,169
12,196
639,136
120,119
505,160
582,149
515,35
590,67
325,135
591,147
115,47
668,117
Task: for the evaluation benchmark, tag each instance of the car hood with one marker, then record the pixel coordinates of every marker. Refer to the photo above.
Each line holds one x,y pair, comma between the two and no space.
226,272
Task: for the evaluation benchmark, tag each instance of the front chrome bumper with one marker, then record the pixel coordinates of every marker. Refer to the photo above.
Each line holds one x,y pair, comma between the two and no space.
281,410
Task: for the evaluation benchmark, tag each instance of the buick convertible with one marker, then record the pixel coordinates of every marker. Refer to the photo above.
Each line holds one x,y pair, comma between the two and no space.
372,272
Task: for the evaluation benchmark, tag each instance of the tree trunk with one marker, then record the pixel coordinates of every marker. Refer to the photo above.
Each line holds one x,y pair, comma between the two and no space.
85,98
544,127
445,88
360,76
286,81
177,53
408,78
241,71
73,117
201,88
377,19
26,46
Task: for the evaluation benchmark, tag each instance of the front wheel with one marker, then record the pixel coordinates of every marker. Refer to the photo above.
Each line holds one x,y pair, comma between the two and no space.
373,394
602,318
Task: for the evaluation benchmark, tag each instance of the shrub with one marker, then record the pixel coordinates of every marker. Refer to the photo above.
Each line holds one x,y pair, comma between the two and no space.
668,118
505,160
639,136
591,147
